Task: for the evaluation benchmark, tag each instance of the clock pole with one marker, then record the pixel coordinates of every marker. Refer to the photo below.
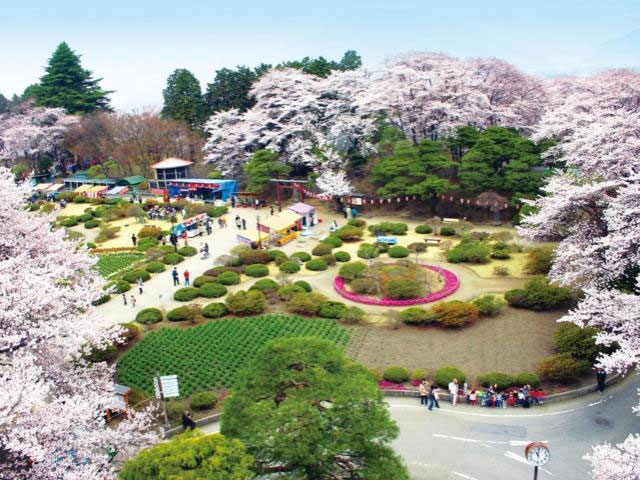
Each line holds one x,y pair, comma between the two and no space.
535,473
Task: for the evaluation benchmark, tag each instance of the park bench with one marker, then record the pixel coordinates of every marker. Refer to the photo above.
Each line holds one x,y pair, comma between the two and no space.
432,241
450,220
387,240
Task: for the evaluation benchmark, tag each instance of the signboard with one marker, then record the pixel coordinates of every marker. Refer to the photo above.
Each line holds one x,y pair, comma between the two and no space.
169,384
262,228
198,218
158,191
356,201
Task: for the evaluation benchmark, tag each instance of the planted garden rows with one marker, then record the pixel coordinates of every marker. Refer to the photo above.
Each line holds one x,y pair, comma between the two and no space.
111,263
210,355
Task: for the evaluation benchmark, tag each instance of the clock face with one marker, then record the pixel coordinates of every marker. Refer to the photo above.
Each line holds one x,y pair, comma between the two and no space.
538,456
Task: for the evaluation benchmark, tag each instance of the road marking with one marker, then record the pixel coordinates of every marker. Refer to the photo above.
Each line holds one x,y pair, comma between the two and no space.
513,443
518,458
462,475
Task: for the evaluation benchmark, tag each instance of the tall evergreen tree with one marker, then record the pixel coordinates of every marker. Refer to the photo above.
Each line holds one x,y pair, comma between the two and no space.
5,104
230,88
66,84
183,98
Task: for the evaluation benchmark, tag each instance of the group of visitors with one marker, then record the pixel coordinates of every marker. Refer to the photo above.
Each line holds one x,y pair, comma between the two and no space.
245,202
176,276
162,212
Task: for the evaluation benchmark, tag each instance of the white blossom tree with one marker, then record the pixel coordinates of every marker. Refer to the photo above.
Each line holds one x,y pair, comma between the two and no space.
52,402
593,208
28,132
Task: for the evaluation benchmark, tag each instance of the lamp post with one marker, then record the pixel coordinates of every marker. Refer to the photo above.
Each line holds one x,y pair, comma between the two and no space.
259,235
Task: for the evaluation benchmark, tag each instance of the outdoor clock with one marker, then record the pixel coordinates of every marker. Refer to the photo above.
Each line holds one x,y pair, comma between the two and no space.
537,454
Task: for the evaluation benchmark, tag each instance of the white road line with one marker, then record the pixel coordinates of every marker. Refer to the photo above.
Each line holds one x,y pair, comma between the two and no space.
513,443
462,475
521,459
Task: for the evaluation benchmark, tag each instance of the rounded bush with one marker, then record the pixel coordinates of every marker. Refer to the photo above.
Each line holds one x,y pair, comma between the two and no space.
154,267
274,254
357,222
385,228
469,251
85,217
366,285
418,374
561,367
454,314
186,294
400,289
229,278
212,290
367,251
91,224
503,380
172,259
250,257
69,222
304,285
332,309
203,400
321,249
246,303
349,233
181,314
382,247
424,229
306,303
150,231
398,251
289,267
122,286
539,294
101,300
215,212
332,240
303,256
447,231
396,374
352,315
187,251
146,243
214,310
265,285
579,342
257,270
281,259
149,315
91,245
352,270
527,378
316,265
134,275
329,259
167,248
288,291
444,375
215,271
416,316
342,256
489,304
202,279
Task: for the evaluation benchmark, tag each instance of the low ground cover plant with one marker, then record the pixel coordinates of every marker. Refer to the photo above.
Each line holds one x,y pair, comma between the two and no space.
111,263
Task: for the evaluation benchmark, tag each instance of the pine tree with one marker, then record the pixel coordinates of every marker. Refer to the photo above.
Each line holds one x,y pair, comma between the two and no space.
183,99
66,84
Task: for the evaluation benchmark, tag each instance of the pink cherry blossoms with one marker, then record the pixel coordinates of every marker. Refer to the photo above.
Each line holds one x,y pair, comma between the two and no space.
52,403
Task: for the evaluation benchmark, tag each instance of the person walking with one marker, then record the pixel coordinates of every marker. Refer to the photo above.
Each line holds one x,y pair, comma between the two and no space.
238,222
424,394
174,274
453,390
134,239
124,299
187,421
208,227
271,210
140,283
601,376
186,277
434,396
133,301
244,224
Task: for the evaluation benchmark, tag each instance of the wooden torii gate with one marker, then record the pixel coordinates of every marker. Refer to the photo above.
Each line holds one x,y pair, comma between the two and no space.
291,185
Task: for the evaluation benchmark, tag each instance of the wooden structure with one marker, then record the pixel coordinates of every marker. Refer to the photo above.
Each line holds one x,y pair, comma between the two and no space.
288,185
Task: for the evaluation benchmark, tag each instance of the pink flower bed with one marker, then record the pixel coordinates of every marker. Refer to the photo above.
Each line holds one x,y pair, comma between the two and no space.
384,384
451,284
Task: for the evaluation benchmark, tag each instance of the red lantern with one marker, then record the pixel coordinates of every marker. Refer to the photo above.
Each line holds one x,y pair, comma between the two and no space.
451,199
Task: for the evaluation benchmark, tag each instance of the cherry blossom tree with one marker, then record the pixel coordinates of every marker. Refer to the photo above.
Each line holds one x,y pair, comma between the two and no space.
593,208
334,183
28,132
52,402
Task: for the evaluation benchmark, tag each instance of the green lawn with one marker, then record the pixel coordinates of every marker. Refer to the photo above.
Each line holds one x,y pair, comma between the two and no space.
110,263
210,355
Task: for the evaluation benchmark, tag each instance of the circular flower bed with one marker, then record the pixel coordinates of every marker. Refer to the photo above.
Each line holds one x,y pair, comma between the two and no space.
451,284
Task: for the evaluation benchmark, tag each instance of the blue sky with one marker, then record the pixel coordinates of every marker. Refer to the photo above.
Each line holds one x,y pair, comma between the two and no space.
134,45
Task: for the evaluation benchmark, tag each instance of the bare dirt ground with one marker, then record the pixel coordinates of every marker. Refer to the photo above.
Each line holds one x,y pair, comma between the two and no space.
513,342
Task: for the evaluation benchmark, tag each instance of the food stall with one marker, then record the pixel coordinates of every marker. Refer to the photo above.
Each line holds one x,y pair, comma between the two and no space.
117,191
191,226
97,191
252,237
83,189
282,227
42,187
307,212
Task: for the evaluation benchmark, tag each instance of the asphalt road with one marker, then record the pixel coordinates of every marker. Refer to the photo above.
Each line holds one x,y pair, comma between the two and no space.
474,443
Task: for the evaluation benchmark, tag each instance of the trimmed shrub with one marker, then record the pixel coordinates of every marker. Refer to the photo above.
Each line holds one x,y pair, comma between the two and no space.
146,243
417,247
400,289
282,259
215,271
212,290
501,271
454,314
322,249
122,286
398,251
489,304
352,315
385,228
91,245
304,285
561,367
101,300
275,254
174,408
181,314
203,400
342,256
134,275
316,265
69,222
503,380
149,315
357,222
150,231
366,285
418,374
289,267
445,375
131,331
265,285
246,303
250,257
306,303
91,224
382,247
332,240
447,231
527,378
349,233
332,309
539,294
416,316
329,259
214,310
187,251
288,291
396,374
539,260
229,278
469,251
186,294
154,267
215,212
424,229
367,251
167,248
257,270
352,270
303,256
202,279
172,259
104,354
479,235
500,251
579,342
